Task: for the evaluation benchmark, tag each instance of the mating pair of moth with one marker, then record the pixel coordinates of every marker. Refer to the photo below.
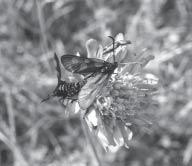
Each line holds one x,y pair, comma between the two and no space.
96,74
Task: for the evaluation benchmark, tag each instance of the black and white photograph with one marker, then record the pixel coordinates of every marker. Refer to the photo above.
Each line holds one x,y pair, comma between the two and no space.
95,83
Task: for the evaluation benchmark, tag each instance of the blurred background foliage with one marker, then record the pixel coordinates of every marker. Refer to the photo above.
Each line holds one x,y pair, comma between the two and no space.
32,133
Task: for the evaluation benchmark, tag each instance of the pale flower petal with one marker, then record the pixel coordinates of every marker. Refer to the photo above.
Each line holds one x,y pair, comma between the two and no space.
92,48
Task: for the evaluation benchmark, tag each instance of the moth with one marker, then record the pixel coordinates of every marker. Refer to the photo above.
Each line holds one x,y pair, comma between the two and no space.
65,90
102,71
85,66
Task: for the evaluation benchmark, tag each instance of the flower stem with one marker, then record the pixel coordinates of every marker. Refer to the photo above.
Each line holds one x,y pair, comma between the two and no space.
90,140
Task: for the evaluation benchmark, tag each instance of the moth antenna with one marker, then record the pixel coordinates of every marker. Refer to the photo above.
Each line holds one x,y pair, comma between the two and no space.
131,63
113,47
47,98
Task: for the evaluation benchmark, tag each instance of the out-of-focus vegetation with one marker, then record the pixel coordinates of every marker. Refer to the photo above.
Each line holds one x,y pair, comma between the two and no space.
32,133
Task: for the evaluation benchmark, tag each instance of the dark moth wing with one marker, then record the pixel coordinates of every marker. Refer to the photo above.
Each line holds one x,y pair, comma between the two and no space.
91,90
81,65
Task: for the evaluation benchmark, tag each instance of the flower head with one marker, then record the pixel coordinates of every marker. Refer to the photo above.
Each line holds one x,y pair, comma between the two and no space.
125,99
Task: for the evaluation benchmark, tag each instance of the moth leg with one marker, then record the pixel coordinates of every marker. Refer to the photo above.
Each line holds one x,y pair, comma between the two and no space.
72,100
86,113
61,100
